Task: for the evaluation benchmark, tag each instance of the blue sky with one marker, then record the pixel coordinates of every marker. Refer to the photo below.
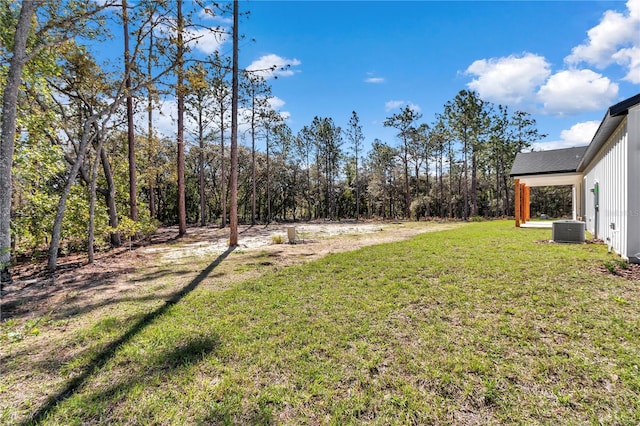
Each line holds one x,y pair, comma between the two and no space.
565,62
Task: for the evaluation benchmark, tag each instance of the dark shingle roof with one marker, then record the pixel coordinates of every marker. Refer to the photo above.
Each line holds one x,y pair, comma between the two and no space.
545,162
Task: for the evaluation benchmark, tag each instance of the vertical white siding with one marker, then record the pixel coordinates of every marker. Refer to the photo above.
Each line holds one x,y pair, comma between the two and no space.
610,170
633,189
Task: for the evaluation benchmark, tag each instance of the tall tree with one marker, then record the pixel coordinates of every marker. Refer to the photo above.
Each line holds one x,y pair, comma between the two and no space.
200,98
131,143
439,136
405,122
270,120
233,211
382,160
257,93
7,141
56,25
101,113
182,208
328,140
282,141
420,152
356,137
468,120
222,91
305,147
151,180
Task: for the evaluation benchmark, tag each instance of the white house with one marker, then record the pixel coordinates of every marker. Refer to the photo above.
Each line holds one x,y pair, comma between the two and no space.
605,177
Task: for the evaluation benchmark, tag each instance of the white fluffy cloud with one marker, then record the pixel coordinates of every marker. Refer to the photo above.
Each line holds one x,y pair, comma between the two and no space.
615,39
276,103
269,66
580,134
391,105
164,120
211,13
573,91
510,79
206,40
630,58
528,78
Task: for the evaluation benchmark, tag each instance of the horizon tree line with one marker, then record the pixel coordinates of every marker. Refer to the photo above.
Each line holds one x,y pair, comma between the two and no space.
89,173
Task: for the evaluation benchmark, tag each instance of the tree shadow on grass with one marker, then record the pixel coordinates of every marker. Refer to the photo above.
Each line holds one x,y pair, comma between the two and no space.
110,350
162,366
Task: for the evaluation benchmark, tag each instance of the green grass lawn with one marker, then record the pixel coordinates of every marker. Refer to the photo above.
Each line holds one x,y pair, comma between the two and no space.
475,325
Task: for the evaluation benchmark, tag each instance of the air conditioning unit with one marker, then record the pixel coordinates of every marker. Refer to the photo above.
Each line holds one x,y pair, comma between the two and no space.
568,231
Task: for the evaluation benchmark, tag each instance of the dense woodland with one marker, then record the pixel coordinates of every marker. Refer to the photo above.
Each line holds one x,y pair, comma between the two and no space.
90,170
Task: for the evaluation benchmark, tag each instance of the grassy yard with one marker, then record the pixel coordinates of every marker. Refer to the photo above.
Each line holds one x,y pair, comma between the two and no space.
475,325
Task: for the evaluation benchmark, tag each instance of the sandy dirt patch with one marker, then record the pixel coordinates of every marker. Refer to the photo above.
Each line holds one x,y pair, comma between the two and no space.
123,272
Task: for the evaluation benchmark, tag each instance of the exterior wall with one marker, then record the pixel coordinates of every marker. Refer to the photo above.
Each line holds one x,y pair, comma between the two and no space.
633,188
610,169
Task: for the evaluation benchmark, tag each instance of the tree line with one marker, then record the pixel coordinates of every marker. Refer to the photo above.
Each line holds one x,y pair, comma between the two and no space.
85,167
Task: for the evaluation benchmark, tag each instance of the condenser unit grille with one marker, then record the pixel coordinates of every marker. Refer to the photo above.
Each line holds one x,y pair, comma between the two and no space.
568,231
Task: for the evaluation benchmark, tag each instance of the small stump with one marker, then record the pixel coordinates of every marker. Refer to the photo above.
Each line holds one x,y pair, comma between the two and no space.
291,234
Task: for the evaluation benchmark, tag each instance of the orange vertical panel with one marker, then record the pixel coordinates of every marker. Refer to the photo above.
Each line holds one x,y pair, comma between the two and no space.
517,202
527,204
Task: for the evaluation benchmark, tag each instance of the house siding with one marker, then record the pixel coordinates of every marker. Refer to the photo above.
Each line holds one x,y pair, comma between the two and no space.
610,170
633,189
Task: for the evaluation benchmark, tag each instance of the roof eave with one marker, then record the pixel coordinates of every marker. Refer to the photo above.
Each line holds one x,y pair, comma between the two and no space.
553,172
612,118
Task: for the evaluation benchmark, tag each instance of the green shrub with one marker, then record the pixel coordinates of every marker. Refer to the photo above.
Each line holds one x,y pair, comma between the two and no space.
610,265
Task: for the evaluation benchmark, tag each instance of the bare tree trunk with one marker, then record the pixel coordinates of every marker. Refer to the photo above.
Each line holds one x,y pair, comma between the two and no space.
133,189
407,194
7,141
203,204
110,198
465,208
223,187
268,180
152,201
233,234
92,201
182,205
442,205
474,185
253,159
62,203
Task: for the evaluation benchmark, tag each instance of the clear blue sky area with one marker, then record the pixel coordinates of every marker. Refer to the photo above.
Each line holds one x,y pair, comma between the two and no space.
376,56
565,62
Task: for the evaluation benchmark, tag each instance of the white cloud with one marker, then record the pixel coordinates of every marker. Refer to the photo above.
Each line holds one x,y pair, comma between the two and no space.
630,58
374,80
615,39
388,106
269,66
573,91
580,134
391,105
165,122
206,40
275,102
512,79
208,13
